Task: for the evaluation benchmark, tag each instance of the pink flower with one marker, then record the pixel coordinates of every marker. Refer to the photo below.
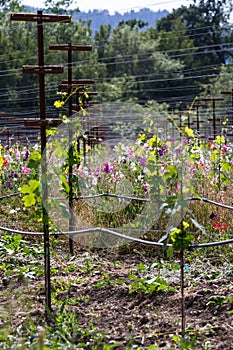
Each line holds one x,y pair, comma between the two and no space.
17,154
130,152
145,186
25,170
193,167
202,164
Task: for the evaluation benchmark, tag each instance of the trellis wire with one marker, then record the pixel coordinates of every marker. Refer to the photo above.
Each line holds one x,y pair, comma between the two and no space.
114,233
10,195
138,240
118,234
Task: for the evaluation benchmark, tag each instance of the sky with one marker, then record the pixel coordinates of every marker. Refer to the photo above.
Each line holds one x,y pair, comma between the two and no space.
119,5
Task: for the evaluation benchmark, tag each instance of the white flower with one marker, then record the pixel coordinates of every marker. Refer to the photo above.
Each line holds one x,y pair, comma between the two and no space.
94,181
12,211
140,177
133,166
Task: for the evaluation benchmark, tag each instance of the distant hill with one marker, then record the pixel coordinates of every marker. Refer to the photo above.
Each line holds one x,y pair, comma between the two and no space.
99,17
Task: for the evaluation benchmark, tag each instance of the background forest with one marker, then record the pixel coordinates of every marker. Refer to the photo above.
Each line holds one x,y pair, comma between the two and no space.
187,53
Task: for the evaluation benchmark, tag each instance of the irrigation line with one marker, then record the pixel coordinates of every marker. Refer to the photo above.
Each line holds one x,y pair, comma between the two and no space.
117,234
144,199
113,196
129,198
209,201
10,195
18,232
120,235
142,241
210,244
105,195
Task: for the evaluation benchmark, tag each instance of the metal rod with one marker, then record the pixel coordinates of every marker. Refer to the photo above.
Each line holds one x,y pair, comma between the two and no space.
70,84
43,164
214,100
70,170
42,70
182,292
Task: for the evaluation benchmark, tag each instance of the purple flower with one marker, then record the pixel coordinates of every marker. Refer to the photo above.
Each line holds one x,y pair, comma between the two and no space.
26,155
107,168
9,185
97,172
212,216
145,186
143,162
178,150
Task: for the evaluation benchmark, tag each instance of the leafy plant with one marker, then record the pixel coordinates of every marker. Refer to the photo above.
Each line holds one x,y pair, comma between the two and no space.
185,343
180,237
148,285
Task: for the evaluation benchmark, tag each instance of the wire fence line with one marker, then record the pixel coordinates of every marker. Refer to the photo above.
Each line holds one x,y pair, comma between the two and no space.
10,195
118,234
201,199
209,201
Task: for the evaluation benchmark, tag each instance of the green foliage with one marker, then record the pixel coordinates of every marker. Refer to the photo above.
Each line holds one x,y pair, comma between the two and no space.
185,343
10,244
148,285
127,63
200,28
219,300
18,257
180,237
31,193
59,6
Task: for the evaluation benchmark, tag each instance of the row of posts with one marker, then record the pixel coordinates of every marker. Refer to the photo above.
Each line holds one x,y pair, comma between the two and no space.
69,85
26,130
213,121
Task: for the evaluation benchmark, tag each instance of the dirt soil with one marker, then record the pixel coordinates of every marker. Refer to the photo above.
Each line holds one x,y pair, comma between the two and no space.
96,287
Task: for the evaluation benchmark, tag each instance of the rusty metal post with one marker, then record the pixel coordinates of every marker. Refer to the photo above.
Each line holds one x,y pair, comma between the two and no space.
42,70
70,48
197,105
189,110
43,163
214,121
231,111
229,93
71,153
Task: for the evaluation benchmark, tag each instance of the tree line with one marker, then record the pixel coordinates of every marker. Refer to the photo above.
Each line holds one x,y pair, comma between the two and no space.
184,55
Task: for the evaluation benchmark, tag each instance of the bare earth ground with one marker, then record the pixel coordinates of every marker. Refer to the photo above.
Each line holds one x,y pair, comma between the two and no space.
95,286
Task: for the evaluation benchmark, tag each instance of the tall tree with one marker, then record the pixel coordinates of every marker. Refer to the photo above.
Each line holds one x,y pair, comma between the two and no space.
133,62
204,33
60,6
207,24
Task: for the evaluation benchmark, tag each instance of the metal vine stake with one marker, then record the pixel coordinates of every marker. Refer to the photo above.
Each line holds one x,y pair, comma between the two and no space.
69,48
41,70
